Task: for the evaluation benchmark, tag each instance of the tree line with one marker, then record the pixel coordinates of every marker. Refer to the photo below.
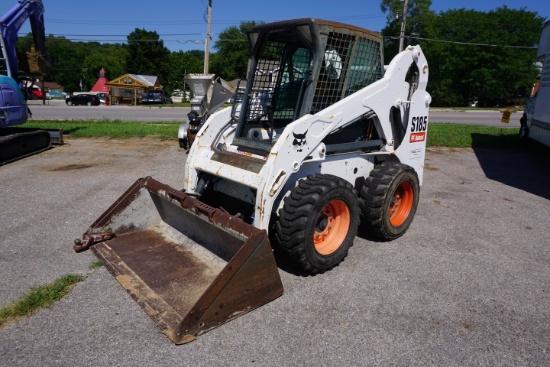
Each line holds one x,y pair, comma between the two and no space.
487,57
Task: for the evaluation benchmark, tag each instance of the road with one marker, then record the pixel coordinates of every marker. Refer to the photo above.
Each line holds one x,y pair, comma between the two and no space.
475,117
467,285
57,110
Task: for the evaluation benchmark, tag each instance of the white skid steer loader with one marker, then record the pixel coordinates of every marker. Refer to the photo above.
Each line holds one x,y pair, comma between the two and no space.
323,141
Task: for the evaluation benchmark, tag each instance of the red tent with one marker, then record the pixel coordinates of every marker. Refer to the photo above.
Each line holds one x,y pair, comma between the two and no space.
99,85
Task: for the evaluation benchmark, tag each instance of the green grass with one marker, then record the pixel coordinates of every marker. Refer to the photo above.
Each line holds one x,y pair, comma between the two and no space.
472,136
116,129
95,265
439,134
39,297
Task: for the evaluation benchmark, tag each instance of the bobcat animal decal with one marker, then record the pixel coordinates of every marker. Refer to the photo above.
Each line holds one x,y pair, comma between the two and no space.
299,141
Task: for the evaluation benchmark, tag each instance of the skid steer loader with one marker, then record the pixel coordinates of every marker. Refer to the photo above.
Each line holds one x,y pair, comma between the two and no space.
325,139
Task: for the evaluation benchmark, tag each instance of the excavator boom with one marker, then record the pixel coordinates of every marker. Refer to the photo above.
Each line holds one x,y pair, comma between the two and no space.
19,143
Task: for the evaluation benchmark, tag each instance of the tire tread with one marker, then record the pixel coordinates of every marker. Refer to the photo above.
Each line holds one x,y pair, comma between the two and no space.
296,211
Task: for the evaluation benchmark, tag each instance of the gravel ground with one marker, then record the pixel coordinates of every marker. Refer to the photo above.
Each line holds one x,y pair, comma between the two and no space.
467,285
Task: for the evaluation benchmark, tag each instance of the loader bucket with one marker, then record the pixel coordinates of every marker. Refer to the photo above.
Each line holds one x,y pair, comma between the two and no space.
190,267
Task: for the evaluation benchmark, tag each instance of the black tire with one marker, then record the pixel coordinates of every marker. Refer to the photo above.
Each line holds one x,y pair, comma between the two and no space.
318,222
89,103
69,103
389,199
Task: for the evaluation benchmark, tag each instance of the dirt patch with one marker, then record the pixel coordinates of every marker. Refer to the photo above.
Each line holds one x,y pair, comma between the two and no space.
445,150
72,167
83,154
429,167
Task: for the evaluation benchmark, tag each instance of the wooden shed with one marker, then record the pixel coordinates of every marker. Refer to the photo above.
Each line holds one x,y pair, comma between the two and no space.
128,88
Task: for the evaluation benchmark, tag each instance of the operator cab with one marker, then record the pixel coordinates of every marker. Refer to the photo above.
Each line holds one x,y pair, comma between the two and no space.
300,67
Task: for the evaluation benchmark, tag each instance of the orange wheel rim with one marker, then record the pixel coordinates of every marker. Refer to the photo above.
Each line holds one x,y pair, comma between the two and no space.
401,204
331,227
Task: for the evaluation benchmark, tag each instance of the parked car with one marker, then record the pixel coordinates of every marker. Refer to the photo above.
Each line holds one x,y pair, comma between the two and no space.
237,97
156,96
83,99
32,93
53,94
178,96
37,93
103,97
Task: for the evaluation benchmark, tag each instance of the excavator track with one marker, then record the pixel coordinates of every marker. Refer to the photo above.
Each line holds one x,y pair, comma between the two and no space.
17,143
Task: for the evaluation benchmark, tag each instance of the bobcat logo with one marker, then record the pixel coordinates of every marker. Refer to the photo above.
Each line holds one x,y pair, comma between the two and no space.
299,141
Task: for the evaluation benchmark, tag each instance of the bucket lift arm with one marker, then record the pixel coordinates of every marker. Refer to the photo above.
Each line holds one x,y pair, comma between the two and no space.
11,23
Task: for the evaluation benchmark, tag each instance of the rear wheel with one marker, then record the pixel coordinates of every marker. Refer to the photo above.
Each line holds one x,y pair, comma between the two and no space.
389,200
318,222
89,103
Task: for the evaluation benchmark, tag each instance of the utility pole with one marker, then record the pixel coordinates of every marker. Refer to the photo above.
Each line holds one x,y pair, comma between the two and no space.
403,21
207,43
184,86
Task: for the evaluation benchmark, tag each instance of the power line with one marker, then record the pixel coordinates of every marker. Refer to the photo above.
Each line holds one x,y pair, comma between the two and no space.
124,35
197,41
75,37
468,43
190,22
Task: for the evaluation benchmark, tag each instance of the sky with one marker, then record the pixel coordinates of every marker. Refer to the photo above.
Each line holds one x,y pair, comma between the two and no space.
182,24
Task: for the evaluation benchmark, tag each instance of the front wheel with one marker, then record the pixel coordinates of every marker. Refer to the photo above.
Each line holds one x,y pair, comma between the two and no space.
389,200
69,103
318,222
